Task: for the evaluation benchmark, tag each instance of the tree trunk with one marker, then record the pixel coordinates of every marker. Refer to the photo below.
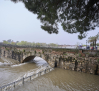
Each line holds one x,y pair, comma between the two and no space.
95,43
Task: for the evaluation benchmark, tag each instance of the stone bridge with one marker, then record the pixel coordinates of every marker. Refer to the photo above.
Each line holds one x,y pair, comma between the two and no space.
70,59
24,54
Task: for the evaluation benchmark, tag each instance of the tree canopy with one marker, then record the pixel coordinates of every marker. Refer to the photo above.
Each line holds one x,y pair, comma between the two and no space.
75,16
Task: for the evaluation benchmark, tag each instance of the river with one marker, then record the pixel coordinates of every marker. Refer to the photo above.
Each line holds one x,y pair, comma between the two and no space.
56,80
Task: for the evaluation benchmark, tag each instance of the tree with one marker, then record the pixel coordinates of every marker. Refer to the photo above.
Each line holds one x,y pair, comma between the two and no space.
53,45
93,39
75,16
97,44
5,42
13,43
33,44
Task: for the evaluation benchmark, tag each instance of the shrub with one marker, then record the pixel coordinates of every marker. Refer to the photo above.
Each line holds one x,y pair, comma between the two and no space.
24,50
95,55
73,58
97,60
79,55
65,54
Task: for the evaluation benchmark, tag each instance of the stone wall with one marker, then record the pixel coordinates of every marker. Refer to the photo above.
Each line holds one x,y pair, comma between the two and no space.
81,64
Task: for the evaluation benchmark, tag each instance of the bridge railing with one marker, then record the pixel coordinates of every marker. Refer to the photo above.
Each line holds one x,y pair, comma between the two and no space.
23,80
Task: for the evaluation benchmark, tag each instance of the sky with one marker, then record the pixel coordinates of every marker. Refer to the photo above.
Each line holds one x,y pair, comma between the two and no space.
18,24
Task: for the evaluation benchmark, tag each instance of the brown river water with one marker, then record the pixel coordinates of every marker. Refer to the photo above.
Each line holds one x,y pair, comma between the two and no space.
56,80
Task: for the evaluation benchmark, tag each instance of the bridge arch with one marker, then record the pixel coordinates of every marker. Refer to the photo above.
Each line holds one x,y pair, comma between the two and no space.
28,58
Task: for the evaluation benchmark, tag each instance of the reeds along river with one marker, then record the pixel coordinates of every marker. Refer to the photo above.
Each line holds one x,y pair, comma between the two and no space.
56,80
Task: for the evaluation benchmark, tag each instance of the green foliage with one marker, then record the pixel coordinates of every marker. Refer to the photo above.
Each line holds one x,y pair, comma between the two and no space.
35,52
13,43
95,55
97,44
78,61
84,45
5,42
43,52
73,58
79,55
24,50
25,43
7,49
75,16
20,52
93,39
97,60
65,54
53,45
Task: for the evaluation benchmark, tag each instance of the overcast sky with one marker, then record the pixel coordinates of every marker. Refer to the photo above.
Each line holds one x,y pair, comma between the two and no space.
18,24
